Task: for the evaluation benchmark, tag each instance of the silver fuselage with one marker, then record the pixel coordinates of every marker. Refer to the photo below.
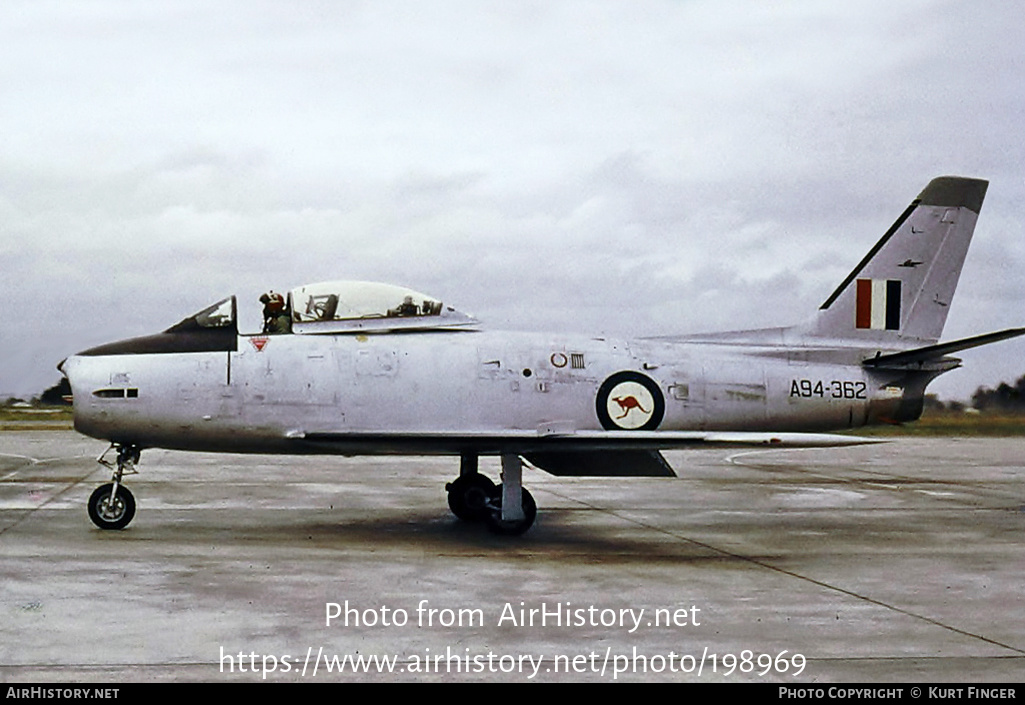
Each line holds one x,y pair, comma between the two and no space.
453,391
374,368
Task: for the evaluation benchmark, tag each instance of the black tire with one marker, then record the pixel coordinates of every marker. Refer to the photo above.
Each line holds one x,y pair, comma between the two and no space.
108,515
468,496
497,525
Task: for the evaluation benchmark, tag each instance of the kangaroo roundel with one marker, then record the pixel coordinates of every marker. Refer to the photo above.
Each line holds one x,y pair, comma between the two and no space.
629,401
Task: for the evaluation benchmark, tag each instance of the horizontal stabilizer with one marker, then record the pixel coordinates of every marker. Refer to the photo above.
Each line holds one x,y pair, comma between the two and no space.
934,352
617,463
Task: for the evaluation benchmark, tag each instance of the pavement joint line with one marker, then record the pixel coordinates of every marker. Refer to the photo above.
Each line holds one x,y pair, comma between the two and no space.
1018,652
823,584
732,459
12,473
799,576
64,491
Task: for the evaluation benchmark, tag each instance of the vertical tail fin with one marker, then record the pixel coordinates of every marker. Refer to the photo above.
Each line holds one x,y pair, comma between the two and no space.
899,294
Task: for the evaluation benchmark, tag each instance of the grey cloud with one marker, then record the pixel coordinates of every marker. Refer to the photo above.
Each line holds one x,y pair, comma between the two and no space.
648,168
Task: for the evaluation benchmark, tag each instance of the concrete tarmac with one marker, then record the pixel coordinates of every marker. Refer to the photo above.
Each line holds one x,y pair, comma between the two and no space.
898,562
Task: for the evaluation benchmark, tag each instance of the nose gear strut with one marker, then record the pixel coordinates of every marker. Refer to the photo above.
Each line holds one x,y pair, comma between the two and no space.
112,506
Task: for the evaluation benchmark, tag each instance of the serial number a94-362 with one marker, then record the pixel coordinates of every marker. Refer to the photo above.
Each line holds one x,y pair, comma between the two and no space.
831,389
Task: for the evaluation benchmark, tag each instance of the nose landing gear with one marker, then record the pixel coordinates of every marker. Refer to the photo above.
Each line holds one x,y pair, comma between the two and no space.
112,506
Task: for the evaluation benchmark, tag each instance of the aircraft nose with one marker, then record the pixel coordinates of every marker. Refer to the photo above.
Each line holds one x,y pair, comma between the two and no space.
66,367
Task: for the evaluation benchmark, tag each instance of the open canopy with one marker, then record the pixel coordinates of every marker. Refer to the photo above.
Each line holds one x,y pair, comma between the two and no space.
353,306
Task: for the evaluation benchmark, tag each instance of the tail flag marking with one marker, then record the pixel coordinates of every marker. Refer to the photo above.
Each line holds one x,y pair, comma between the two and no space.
878,304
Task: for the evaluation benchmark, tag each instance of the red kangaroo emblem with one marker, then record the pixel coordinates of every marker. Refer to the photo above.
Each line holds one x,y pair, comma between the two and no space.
628,404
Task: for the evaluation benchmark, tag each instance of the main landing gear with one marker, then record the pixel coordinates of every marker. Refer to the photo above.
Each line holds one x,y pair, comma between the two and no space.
112,506
507,509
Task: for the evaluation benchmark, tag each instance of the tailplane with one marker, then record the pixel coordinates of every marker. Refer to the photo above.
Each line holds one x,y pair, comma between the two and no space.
899,294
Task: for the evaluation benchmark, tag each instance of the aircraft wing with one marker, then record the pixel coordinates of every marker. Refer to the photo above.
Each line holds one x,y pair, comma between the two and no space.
569,453
935,352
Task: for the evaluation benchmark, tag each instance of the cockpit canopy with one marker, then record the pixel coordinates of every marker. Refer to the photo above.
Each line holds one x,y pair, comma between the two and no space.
328,307
354,306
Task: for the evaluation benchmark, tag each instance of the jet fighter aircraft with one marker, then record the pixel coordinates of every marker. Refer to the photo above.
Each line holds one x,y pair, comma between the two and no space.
357,368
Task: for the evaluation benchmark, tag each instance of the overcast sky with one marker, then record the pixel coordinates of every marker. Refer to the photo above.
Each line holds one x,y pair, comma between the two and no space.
630,168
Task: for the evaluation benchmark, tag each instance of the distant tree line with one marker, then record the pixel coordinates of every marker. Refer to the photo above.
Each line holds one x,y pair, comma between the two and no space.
933,403
1005,397
54,396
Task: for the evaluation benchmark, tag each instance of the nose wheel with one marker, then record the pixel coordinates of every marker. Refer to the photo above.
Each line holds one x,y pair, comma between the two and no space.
112,506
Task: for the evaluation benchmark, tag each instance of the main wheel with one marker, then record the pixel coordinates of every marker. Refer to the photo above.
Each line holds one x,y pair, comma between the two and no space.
108,514
494,520
468,496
